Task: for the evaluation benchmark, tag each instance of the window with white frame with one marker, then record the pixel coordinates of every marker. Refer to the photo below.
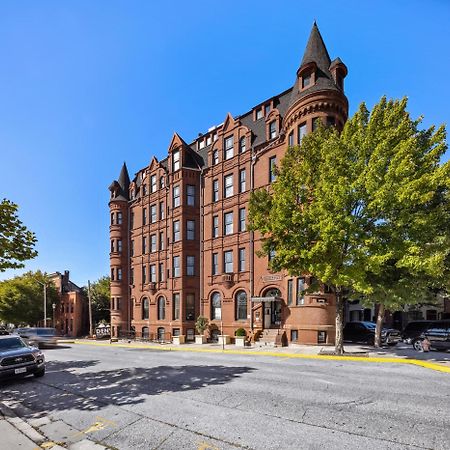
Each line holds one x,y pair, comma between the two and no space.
300,298
242,179
144,216
152,273
216,307
228,223
161,272
301,132
119,218
161,210
153,243
242,144
153,183
259,113
144,274
272,129
119,274
242,222
272,165
215,157
215,264
228,261
228,185
190,194
215,196
161,240
176,306
176,196
241,260
176,266
241,305
291,139
190,266
176,160
229,147
153,216
215,229
190,230
176,231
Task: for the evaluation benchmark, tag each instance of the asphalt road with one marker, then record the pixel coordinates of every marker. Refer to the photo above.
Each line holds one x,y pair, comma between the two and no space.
147,399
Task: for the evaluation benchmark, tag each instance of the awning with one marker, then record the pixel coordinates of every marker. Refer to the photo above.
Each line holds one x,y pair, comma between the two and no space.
266,299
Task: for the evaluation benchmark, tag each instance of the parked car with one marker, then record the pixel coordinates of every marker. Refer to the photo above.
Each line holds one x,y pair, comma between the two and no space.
19,359
3,331
414,330
364,332
39,337
438,336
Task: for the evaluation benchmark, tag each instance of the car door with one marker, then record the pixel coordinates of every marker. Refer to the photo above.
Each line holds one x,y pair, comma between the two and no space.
438,335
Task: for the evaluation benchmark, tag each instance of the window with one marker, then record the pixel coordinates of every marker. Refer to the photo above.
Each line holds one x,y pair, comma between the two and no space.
229,147
266,110
215,230
190,266
145,309
228,223
112,245
153,243
271,254
301,132
215,196
190,230
216,306
190,191
242,223
176,196
132,248
272,130
294,335
112,218
161,334
215,263
242,144
289,292
119,218
291,139
331,122
321,337
208,140
112,273
176,231
241,305
119,274
161,308
215,157
176,160
132,276
161,272
315,123
242,176
306,80
144,189
162,182
144,274
228,185
259,113
145,333
161,240
201,144
300,299
132,220
144,216
152,273
228,261
176,266
144,245
153,183
153,217
272,164
176,306
242,260
190,307
161,210
119,245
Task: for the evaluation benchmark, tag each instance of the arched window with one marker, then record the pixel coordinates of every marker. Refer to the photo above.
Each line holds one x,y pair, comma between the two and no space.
161,308
145,333
216,306
241,305
161,333
145,309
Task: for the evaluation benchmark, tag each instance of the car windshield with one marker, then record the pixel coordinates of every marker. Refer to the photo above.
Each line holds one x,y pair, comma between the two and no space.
12,343
369,325
45,331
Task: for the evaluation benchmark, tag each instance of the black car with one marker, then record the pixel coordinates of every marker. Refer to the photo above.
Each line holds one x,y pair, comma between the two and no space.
414,330
364,332
438,336
3,331
19,359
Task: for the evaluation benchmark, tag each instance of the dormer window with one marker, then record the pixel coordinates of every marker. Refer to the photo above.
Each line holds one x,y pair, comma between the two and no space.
259,114
229,147
201,144
176,160
272,130
266,110
208,140
306,80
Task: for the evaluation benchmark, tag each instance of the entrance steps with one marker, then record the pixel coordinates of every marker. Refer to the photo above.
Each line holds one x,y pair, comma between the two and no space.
271,337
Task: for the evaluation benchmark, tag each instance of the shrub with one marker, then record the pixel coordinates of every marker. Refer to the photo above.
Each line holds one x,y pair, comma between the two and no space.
201,324
240,332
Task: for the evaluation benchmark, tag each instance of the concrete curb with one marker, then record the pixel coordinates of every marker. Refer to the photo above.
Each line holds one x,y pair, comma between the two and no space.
392,360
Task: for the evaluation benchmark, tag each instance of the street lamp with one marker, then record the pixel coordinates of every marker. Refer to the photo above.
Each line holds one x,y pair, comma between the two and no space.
53,306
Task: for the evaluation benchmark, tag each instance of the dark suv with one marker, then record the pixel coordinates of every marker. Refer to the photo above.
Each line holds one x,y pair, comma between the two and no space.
19,359
438,335
414,329
364,332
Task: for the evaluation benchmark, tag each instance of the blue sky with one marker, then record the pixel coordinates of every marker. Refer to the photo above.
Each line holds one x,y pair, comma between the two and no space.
85,85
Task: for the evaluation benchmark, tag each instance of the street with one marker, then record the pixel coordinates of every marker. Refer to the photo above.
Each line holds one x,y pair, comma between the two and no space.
150,399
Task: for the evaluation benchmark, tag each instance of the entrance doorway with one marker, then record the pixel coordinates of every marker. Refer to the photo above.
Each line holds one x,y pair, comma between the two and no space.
272,308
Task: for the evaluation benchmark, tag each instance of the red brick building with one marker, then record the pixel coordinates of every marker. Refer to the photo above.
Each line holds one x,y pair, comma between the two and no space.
180,246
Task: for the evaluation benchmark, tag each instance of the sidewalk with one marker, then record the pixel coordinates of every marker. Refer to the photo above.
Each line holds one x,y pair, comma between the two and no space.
401,353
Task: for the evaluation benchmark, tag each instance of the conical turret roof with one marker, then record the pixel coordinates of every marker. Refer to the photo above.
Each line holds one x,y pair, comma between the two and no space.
124,178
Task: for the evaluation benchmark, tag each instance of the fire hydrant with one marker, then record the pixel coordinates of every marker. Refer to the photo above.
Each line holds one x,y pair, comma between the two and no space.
426,345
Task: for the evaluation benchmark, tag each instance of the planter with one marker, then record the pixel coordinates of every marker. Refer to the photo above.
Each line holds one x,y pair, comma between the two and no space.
178,340
224,339
239,341
200,339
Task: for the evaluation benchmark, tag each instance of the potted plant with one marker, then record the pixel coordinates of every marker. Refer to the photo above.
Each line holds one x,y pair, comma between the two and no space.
239,337
201,325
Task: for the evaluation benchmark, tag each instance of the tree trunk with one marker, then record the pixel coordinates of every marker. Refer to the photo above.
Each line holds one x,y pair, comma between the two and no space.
379,327
339,348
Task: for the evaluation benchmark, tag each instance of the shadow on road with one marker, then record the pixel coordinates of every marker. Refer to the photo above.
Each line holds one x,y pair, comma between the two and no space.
63,388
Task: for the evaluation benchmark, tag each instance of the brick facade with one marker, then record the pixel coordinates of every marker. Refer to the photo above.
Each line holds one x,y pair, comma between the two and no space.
180,246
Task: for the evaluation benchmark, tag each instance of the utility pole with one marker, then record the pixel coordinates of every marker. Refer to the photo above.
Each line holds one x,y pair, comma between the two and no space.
91,331
45,304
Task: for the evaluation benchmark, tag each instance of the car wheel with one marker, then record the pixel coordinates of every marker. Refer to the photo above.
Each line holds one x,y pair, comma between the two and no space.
417,344
371,340
40,374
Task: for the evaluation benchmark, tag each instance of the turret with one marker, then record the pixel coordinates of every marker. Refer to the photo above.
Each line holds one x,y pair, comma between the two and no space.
118,232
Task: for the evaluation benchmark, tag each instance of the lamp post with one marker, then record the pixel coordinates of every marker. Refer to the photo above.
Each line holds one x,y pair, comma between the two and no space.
54,307
45,300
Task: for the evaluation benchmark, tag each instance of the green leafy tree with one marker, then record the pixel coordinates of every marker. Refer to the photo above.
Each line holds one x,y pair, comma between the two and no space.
16,241
22,298
345,206
100,300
